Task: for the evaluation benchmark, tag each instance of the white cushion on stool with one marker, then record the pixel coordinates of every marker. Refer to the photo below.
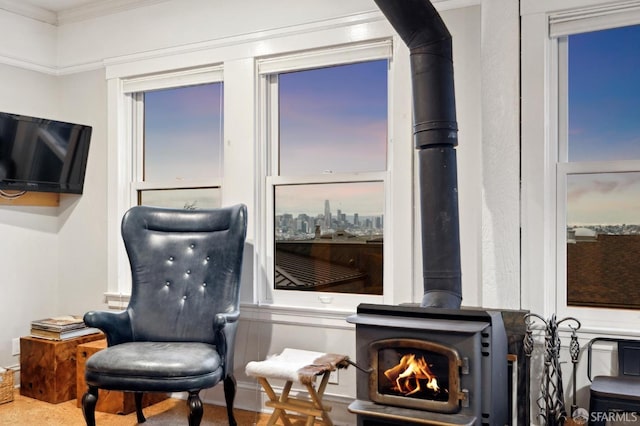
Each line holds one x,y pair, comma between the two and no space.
296,365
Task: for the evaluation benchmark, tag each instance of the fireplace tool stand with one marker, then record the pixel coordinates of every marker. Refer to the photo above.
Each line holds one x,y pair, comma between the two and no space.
551,401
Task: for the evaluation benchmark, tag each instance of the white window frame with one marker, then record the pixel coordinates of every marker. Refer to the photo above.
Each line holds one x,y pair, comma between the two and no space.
130,114
544,155
268,69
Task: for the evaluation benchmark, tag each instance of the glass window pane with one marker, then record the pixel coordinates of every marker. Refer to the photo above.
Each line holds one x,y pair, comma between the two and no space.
333,119
603,239
195,198
183,133
604,95
329,237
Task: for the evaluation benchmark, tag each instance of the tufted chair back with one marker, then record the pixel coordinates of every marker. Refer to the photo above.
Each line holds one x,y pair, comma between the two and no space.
185,267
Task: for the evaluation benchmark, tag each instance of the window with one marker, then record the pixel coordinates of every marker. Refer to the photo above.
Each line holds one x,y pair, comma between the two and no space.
178,141
253,67
327,164
580,161
598,173
165,147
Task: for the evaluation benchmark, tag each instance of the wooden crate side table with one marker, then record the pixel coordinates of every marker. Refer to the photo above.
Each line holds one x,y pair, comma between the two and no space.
48,367
113,402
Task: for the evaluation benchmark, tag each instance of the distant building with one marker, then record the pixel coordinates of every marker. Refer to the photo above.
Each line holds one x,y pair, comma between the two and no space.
327,214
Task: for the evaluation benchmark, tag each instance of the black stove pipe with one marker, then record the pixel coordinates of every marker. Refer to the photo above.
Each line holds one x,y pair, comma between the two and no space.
436,136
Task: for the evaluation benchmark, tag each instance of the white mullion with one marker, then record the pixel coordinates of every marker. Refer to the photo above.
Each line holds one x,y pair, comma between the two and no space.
175,184
329,178
137,146
593,167
268,91
273,120
138,136
561,240
560,53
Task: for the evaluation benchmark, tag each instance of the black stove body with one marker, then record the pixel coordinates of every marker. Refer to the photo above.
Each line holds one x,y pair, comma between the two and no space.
430,366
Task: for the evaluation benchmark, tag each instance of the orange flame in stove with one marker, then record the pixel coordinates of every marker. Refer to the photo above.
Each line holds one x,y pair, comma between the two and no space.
409,373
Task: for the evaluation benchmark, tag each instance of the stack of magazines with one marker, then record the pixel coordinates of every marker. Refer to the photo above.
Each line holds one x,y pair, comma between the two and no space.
61,328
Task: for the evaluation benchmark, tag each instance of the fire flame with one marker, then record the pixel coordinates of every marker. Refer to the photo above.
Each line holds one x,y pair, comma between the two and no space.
409,374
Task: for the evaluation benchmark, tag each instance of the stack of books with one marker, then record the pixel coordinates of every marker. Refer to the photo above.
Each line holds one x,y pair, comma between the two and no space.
61,328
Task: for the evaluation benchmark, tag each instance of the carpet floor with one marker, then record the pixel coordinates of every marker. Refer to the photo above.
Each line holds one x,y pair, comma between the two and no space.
23,411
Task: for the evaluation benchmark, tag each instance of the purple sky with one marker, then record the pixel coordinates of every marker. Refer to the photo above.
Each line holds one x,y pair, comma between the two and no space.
333,120
182,133
604,124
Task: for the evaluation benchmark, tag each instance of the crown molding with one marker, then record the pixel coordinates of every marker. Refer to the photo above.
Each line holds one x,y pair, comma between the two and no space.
80,13
28,65
29,11
102,8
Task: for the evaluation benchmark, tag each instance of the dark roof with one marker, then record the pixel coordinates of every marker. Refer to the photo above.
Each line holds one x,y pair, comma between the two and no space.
294,271
604,272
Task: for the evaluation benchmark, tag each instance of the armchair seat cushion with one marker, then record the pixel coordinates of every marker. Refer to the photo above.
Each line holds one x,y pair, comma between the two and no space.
155,366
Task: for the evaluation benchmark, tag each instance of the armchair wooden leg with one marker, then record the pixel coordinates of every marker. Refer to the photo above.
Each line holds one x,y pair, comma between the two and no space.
137,396
230,396
195,408
89,400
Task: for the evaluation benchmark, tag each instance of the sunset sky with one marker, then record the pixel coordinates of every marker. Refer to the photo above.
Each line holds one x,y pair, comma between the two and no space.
604,124
333,120
183,126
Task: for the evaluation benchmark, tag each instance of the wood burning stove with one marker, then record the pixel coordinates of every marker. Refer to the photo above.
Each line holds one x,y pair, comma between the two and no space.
430,366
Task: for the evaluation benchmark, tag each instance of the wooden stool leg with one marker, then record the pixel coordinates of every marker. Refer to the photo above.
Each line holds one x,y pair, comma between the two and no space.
277,412
284,398
316,399
311,409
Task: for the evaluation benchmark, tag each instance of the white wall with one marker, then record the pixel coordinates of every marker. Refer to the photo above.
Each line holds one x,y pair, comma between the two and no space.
188,22
29,235
82,235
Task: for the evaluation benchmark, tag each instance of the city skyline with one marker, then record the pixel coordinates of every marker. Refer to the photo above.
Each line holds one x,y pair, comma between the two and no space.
365,198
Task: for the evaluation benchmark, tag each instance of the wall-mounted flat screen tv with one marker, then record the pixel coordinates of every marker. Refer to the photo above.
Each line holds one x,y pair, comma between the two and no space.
38,154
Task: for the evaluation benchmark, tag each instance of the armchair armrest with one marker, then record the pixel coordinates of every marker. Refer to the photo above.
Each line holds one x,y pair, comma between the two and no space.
115,325
225,325
226,317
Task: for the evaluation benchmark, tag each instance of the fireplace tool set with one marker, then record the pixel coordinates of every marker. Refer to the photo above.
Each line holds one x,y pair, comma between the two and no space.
551,401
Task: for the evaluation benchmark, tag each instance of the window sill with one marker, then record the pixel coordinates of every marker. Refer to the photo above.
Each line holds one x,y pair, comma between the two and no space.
301,315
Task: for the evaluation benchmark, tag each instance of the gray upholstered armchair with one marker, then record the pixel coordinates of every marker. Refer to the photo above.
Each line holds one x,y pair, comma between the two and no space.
178,332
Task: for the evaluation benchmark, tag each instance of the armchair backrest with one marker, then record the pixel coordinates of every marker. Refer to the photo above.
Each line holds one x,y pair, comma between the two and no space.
185,269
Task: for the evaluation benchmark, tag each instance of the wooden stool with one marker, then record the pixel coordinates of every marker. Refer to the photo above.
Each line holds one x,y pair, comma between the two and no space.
300,366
